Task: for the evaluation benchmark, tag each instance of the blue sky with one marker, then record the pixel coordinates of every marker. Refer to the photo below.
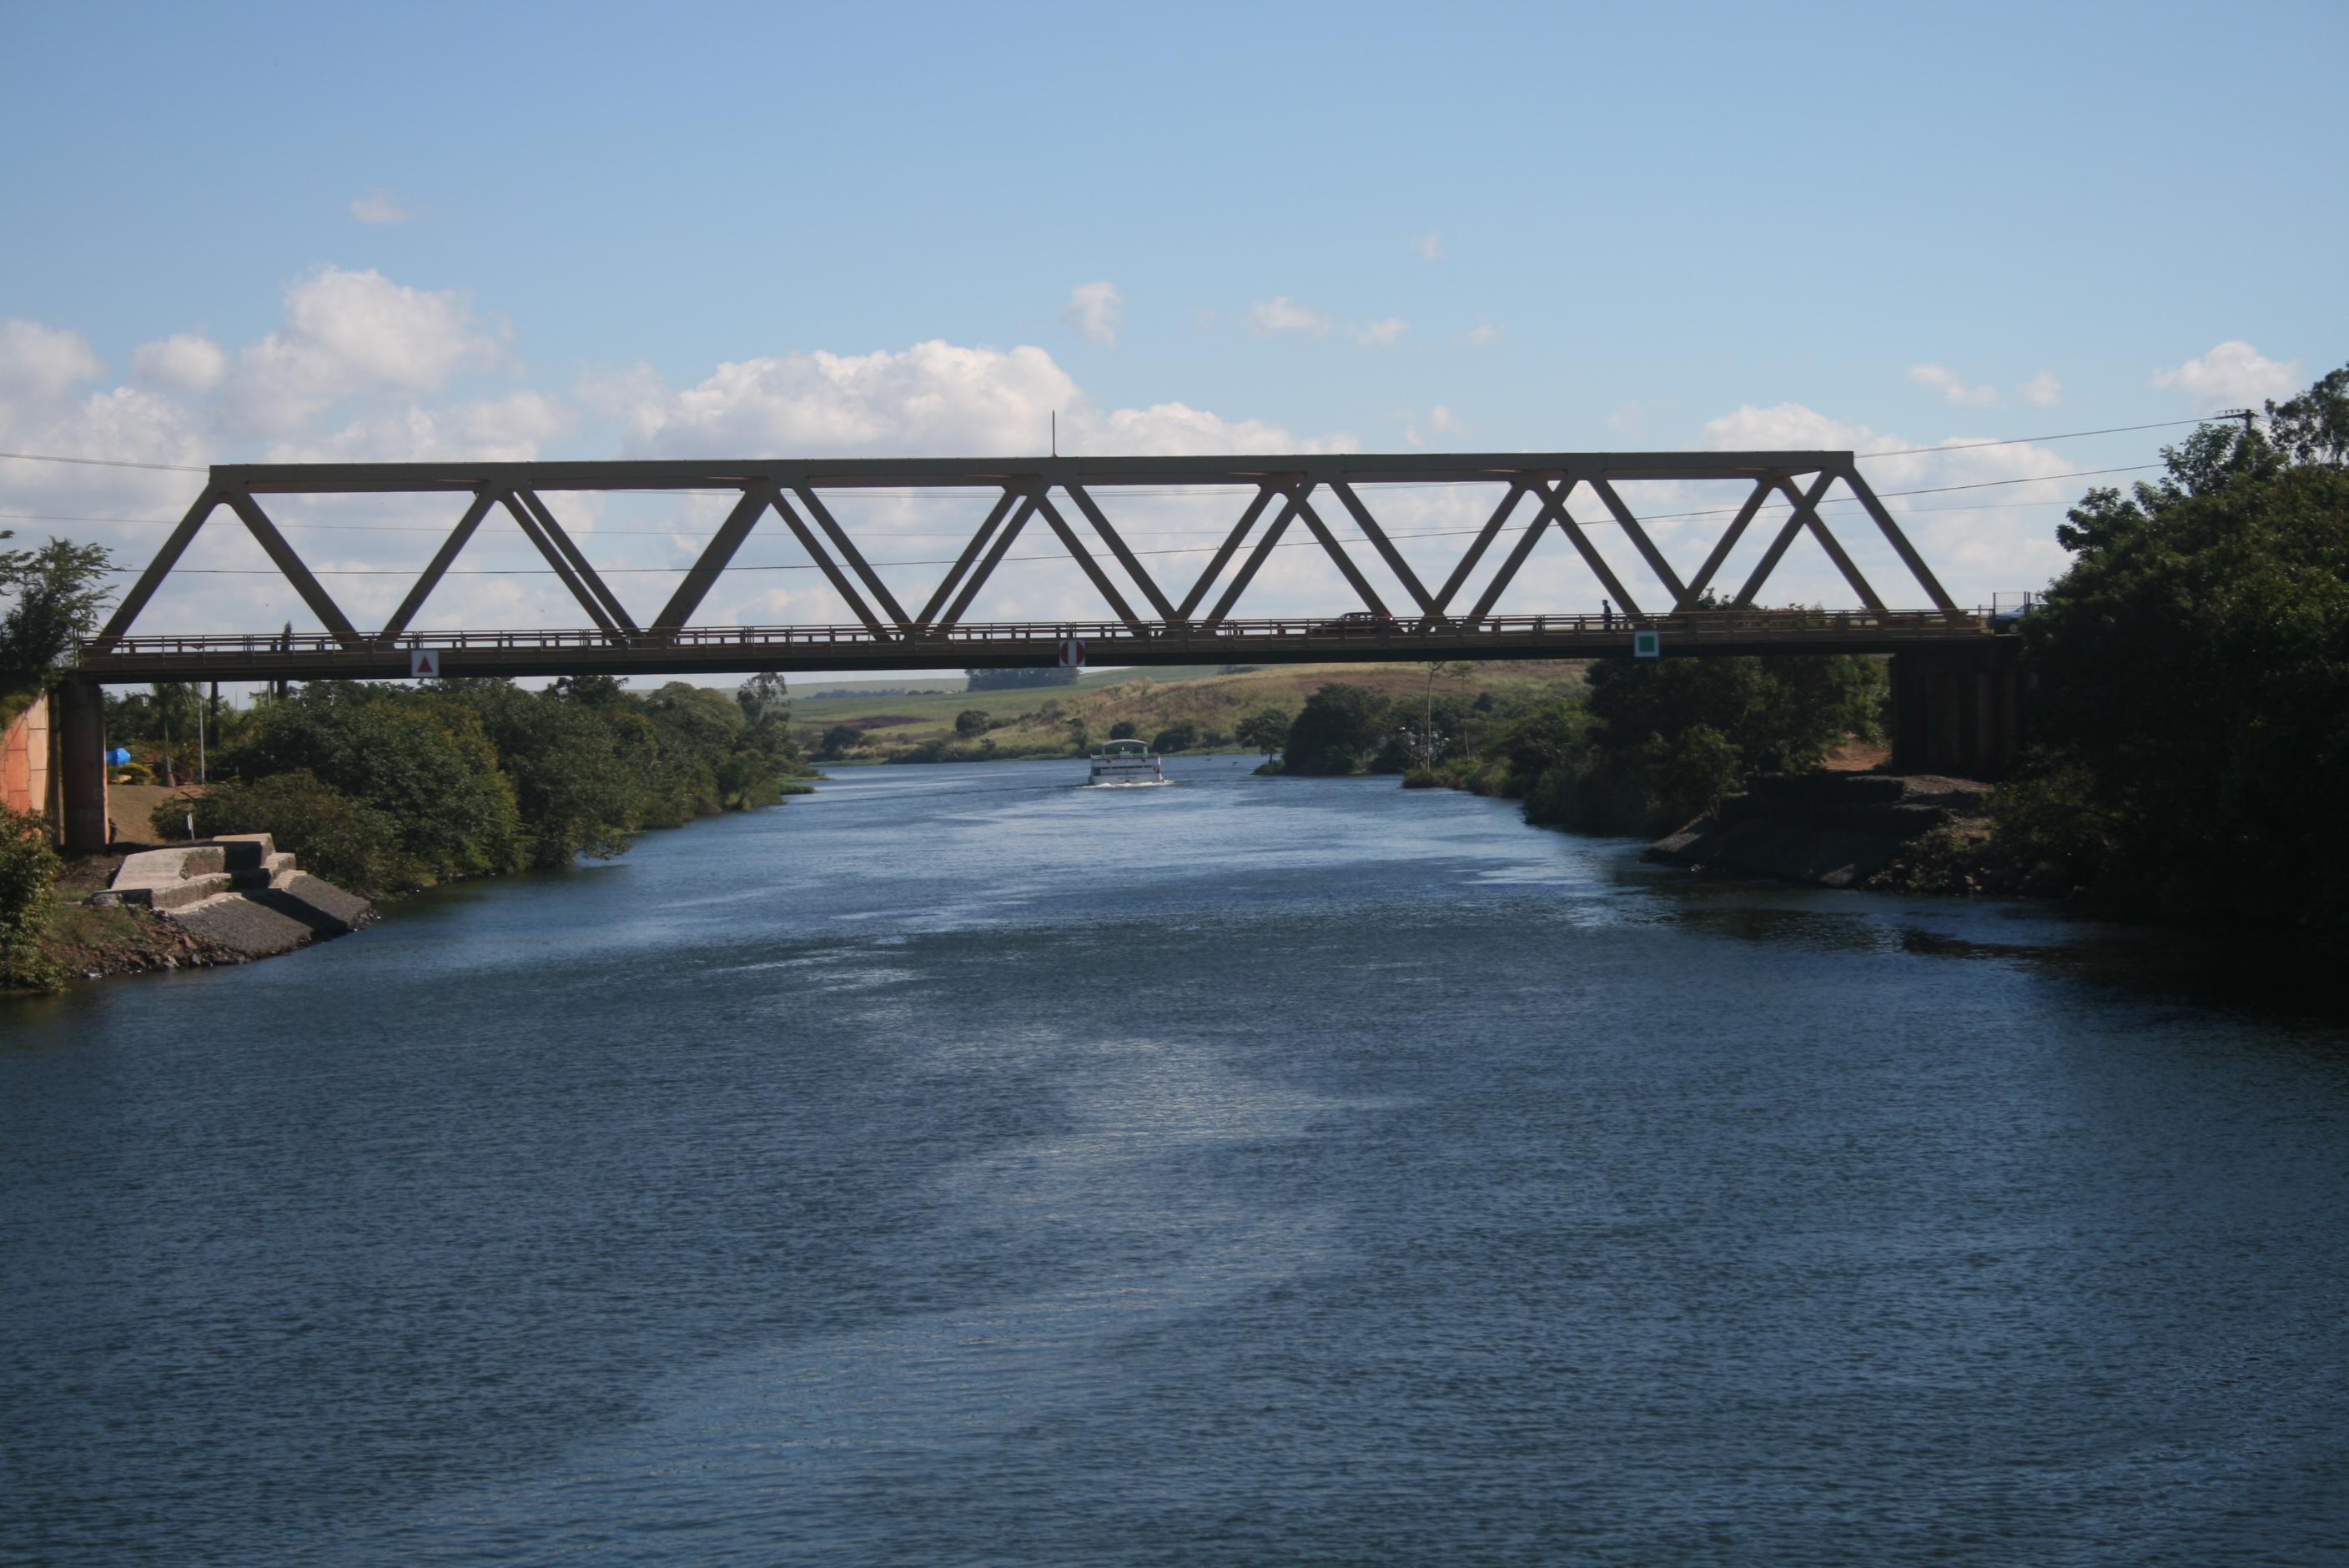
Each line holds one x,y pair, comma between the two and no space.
545,231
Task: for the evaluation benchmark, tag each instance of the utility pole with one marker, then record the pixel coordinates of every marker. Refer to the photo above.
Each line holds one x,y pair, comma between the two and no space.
2245,414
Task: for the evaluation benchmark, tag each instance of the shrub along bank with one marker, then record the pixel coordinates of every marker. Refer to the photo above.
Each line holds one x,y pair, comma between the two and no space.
1641,749
386,788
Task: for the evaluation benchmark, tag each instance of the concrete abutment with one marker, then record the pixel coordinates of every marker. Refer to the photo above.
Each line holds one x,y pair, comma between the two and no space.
81,765
1958,711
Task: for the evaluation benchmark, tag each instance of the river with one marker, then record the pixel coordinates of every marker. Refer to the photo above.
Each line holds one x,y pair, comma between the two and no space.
958,1166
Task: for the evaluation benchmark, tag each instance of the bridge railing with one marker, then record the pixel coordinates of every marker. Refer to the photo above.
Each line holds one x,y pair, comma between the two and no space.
1346,631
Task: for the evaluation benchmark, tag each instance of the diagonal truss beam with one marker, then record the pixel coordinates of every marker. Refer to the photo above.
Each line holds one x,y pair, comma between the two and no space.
554,558
1849,473
1517,553
1803,502
1076,547
1223,555
1832,545
850,553
1125,557
1492,531
1026,509
563,542
1554,507
824,564
715,557
1384,545
438,566
322,604
947,584
127,610
1713,562
1640,539
1337,551
1265,546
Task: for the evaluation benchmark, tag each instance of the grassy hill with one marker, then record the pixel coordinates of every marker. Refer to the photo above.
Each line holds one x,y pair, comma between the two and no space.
1038,722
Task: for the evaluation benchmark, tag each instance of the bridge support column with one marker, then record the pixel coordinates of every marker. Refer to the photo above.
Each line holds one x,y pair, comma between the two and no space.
81,773
1958,712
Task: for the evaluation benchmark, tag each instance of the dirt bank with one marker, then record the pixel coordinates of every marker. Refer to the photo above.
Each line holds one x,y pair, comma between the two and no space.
1833,829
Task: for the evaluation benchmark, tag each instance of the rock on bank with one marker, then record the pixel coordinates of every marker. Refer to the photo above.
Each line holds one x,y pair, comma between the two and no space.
239,892
1836,829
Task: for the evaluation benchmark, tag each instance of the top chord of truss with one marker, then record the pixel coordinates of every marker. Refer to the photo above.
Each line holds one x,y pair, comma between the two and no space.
853,473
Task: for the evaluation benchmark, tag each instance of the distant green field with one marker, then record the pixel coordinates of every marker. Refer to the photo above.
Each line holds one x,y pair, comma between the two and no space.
929,713
1149,699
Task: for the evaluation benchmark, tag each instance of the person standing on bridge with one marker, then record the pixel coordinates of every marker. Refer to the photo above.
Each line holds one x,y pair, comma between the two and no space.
1606,614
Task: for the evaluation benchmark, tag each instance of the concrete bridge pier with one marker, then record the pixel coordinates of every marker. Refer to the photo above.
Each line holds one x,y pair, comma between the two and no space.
81,773
1958,711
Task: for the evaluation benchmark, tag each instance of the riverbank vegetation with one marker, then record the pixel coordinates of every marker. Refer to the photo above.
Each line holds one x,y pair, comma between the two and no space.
2191,719
52,595
385,789
1640,747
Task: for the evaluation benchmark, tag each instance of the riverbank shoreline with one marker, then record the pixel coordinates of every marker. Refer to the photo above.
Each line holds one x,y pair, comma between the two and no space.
1877,831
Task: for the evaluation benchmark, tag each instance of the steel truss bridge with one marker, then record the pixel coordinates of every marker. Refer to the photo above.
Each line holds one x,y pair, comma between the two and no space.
1146,624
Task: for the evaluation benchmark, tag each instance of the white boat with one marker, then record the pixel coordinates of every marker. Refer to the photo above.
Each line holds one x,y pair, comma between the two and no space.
1124,763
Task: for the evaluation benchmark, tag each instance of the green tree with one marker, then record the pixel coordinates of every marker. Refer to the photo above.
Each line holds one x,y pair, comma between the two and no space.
1122,730
350,844
561,750
839,742
765,699
55,595
971,721
1180,736
1265,730
1340,727
422,759
29,878
2192,671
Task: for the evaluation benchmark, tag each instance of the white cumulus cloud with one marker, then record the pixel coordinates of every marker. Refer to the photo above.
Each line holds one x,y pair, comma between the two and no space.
1441,422
1282,313
1382,333
933,399
185,362
379,206
349,333
1951,385
2232,373
1429,246
39,362
1096,310
1484,334
2041,391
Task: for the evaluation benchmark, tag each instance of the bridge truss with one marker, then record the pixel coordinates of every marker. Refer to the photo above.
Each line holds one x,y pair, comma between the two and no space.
1146,622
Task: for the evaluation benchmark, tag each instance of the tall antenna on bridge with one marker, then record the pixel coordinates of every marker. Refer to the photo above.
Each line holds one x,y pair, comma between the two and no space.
1056,432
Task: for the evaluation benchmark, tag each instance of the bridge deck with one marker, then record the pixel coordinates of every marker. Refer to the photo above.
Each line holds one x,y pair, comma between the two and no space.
706,650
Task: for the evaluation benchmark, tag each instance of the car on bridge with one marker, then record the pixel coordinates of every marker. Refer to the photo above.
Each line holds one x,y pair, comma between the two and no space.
1360,623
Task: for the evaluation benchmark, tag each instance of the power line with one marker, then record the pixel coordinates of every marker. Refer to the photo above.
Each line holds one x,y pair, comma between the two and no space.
2026,440
105,463
1861,456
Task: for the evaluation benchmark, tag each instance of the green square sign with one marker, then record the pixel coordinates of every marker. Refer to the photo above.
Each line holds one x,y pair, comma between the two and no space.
1647,645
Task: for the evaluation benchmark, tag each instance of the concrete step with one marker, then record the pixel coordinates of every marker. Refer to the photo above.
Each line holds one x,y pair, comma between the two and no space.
181,893
245,852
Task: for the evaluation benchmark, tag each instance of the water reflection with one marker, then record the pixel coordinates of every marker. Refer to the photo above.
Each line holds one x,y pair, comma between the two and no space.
959,1166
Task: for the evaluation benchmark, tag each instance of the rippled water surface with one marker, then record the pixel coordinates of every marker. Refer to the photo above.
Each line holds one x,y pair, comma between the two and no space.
961,1167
